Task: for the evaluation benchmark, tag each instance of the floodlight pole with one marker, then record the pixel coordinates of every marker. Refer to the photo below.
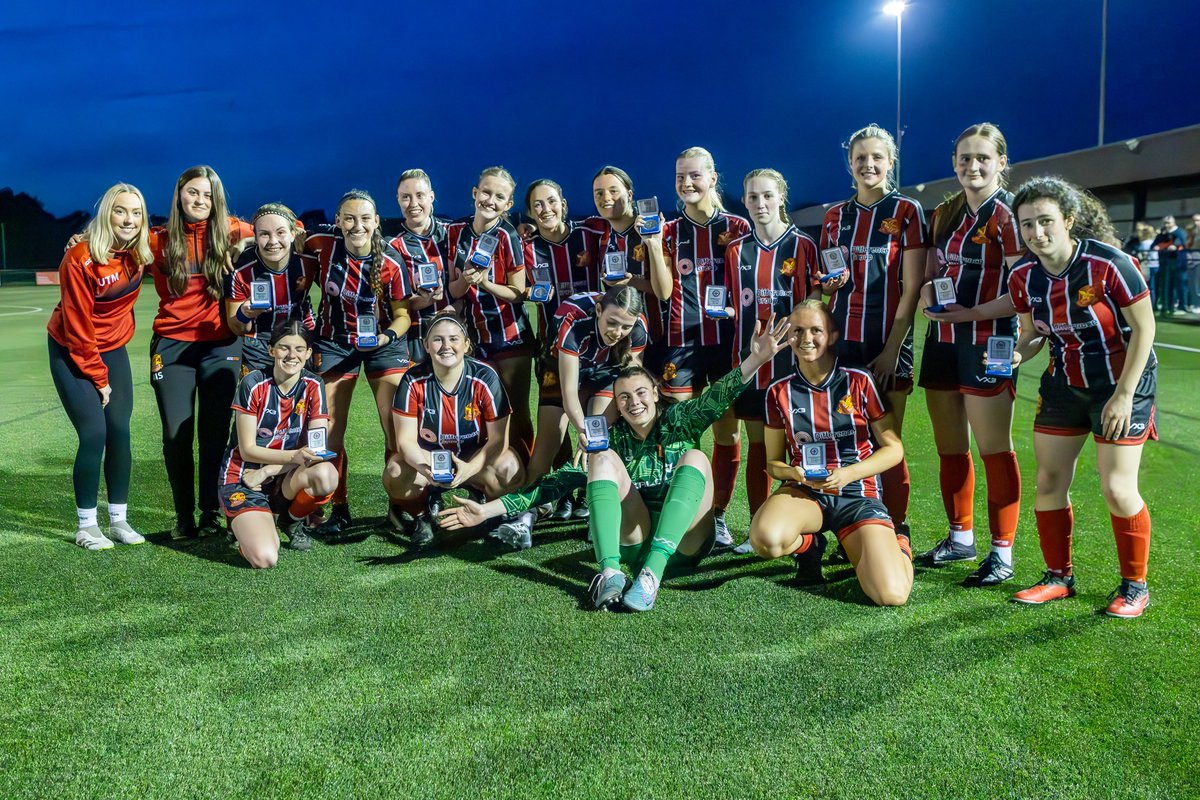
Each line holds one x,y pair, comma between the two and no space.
1103,66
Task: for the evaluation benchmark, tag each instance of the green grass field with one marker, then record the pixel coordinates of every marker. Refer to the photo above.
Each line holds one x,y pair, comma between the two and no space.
355,671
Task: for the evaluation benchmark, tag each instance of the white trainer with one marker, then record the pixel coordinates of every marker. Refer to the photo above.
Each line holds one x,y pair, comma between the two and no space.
121,533
90,538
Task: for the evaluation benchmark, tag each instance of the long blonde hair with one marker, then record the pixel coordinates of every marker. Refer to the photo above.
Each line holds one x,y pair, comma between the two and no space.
99,233
714,191
216,239
780,183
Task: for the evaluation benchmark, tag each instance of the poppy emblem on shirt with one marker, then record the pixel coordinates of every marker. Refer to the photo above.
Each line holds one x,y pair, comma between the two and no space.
723,238
670,371
846,405
789,267
428,435
1089,295
981,235
470,412
332,289
583,259
639,252
156,363
890,226
237,498
686,267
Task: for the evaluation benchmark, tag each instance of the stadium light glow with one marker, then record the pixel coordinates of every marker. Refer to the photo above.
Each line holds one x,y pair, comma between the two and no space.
895,8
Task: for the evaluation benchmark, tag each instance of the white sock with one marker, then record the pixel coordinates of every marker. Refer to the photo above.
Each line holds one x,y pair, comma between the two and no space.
87,517
1005,553
117,512
962,536
529,518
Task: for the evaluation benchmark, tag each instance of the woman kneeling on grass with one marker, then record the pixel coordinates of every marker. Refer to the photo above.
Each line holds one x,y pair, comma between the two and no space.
840,409
1077,290
451,404
267,468
650,493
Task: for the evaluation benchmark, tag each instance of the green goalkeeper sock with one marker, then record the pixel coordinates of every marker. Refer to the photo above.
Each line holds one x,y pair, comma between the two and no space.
604,522
678,511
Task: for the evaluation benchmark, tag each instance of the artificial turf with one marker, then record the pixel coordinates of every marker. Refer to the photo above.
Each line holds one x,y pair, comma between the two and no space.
356,670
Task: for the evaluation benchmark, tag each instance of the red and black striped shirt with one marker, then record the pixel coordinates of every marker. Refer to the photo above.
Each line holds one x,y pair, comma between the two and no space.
578,336
695,254
637,264
1079,311
972,255
873,238
494,321
289,290
572,267
455,420
346,286
838,412
281,420
416,249
765,278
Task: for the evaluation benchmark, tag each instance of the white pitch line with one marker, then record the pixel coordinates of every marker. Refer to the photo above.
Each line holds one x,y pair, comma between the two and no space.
1177,347
29,310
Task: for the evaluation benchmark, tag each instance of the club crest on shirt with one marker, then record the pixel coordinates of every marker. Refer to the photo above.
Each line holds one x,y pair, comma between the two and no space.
316,357
669,371
846,405
300,406
789,267
723,238
470,412
890,226
549,378
1090,295
639,252
245,369
237,498
583,259
1038,410
981,235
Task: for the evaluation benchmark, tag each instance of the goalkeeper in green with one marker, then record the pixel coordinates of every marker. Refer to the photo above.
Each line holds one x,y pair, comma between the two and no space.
650,493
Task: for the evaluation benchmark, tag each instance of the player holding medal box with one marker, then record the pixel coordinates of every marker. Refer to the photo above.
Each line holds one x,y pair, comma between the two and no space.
944,294
812,461
651,219
716,302
614,266
595,433
428,278
543,287
441,466
835,263
316,443
367,328
481,256
260,295
999,356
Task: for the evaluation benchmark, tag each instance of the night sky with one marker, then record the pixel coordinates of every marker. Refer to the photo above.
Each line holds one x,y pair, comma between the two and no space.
300,101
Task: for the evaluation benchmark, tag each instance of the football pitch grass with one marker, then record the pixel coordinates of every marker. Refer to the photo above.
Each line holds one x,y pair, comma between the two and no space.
356,670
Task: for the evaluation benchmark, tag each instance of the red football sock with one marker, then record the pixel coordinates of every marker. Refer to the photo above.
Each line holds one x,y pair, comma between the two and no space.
1133,544
758,482
1003,496
957,477
896,488
339,494
1054,529
305,504
725,461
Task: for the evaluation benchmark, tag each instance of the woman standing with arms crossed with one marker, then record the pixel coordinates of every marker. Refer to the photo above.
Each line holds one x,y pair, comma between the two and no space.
361,278
195,359
696,344
99,278
975,242
1076,289
881,236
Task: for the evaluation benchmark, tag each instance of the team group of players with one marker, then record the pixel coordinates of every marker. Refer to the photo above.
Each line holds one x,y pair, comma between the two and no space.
806,343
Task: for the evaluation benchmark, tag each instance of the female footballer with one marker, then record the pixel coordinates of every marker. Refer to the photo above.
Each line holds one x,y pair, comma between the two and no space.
422,241
766,273
269,468
99,278
837,411
194,357
697,343
458,405
880,235
363,282
974,243
650,492
288,275
1079,291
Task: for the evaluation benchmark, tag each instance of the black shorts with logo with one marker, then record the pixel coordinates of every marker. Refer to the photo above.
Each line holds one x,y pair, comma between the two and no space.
1063,410
960,367
859,354
332,360
237,498
844,514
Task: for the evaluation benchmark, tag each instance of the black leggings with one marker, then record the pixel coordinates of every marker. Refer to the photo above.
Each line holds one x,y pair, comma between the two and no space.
179,371
103,430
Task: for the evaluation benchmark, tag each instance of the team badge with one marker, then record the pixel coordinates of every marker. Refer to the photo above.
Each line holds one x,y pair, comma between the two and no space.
670,371
846,405
1090,295
1038,410
890,226
470,412
583,259
549,378
316,360
237,498
300,407
723,238
245,369
639,252
981,235
156,363
789,267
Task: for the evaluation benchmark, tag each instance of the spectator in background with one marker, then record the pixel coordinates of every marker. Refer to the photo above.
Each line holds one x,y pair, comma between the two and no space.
1193,265
1141,246
1172,262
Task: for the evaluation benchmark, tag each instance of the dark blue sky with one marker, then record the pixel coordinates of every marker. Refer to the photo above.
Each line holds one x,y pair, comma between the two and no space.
300,101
